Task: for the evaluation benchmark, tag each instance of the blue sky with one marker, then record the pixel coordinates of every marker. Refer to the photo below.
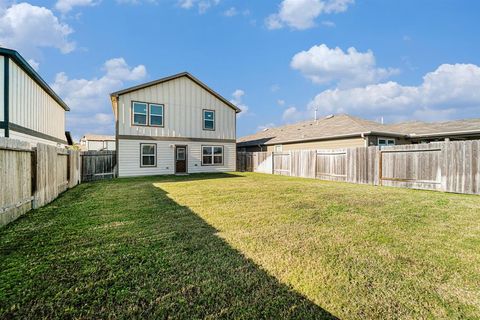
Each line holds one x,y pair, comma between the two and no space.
279,60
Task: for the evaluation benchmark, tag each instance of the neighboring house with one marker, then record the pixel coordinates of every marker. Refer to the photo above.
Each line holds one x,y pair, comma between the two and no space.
174,125
97,142
29,109
344,131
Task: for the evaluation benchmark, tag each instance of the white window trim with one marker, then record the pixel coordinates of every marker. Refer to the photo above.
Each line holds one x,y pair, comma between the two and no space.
149,155
213,155
276,148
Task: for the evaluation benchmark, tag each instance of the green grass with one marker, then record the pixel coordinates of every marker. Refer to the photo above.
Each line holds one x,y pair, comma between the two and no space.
243,246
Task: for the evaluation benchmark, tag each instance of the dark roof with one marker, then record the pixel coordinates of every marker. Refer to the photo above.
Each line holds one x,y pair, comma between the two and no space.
344,125
22,63
68,135
176,76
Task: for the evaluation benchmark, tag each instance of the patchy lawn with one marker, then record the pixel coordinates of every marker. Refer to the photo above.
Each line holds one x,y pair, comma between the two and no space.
243,246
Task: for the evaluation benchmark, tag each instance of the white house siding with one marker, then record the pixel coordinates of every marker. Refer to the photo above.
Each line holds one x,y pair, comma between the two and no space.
32,139
129,157
184,101
2,83
31,107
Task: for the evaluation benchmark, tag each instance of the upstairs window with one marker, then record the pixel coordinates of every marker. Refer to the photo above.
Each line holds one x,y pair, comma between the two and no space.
140,113
156,115
208,120
384,142
148,155
212,155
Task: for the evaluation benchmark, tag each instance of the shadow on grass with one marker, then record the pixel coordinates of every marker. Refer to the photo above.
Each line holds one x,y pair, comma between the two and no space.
123,249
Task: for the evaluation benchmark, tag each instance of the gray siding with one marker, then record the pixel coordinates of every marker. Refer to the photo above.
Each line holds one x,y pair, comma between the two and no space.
184,101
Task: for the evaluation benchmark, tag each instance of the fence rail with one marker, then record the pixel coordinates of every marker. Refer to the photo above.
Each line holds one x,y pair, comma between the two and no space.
442,166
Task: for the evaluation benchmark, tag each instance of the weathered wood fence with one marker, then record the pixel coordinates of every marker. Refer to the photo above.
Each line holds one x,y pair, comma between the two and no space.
442,166
98,165
31,177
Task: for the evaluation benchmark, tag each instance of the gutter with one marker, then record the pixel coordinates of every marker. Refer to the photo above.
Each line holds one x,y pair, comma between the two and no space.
343,136
441,134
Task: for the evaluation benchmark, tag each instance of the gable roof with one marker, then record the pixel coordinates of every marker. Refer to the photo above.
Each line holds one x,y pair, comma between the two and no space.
173,77
345,126
25,66
336,126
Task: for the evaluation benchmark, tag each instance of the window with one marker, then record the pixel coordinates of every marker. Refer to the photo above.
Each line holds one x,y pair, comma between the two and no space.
156,115
278,148
208,120
181,153
212,155
148,155
140,113
147,114
383,142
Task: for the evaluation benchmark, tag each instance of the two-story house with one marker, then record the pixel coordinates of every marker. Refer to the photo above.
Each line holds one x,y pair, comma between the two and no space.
174,125
29,109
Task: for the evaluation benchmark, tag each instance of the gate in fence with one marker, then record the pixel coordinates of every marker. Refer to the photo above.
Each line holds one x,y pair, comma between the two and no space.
98,165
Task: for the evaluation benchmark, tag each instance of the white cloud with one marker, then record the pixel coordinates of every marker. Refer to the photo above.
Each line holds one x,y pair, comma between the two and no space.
34,64
65,6
231,12
329,24
274,87
27,28
237,99
292,115
323,65
301,14
202,5
281,102
89,98
447,91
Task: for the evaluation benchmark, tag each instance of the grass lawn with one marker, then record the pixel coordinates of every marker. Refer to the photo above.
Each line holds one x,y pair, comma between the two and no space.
243,246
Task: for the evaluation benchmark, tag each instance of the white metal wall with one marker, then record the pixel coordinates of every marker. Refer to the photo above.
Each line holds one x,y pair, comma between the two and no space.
129,158
32,107
184,101
32,140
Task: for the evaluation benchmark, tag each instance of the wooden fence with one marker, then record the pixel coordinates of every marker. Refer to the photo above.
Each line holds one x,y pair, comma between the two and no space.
31,177
442,166
98,165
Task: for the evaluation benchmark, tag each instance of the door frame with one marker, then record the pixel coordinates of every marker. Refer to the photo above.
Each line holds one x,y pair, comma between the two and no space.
186,157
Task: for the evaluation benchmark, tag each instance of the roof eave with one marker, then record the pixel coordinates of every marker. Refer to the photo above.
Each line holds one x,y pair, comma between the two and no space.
441,134
172,77
22,63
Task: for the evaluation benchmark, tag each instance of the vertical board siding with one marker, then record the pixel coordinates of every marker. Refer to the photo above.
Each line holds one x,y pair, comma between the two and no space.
33,108
32,177
183,101
442,166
